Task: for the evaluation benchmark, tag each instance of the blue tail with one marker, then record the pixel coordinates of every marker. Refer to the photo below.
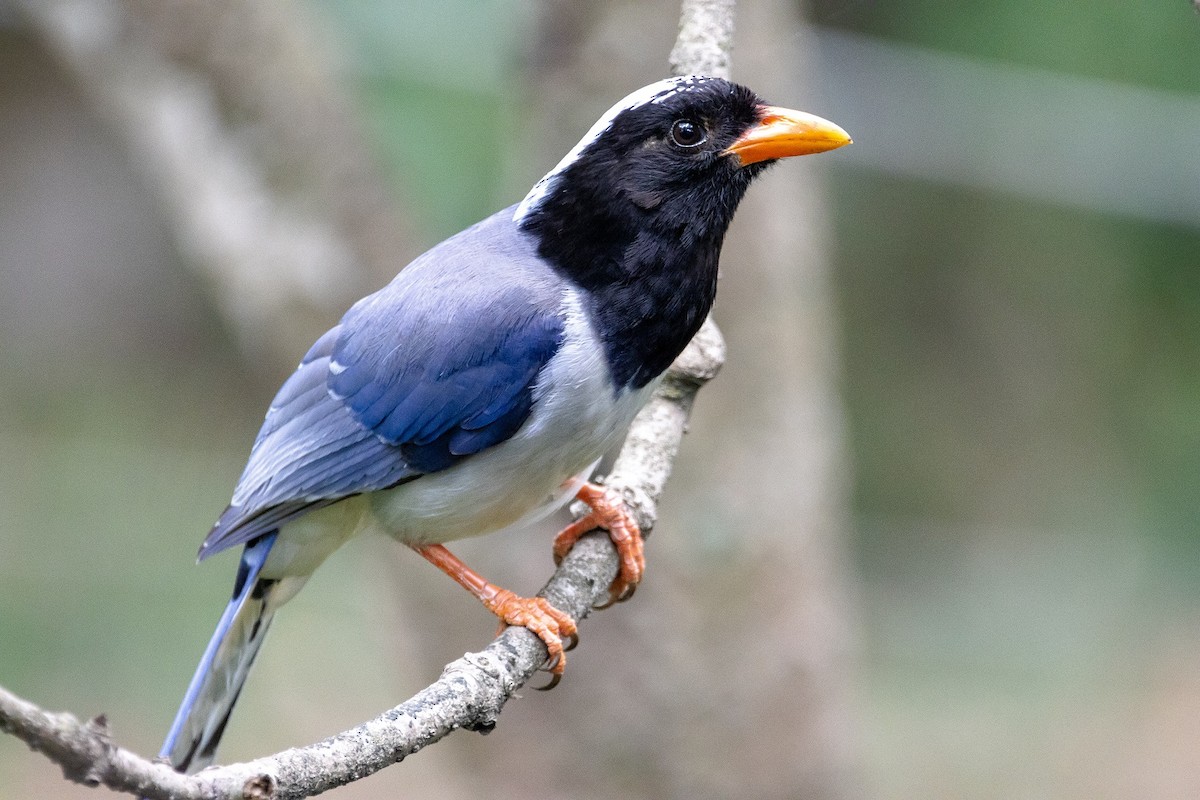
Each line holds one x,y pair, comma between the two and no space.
192,741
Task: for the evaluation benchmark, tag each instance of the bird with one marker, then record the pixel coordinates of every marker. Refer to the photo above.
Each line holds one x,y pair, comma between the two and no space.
479,389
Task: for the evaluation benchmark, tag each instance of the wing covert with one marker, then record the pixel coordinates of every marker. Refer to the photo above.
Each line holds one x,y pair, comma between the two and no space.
443,389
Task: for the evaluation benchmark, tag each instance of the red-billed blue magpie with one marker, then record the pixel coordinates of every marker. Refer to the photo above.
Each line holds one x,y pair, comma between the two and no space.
479,389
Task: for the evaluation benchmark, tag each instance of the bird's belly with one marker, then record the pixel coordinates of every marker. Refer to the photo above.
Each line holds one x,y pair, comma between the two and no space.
514,483
305,542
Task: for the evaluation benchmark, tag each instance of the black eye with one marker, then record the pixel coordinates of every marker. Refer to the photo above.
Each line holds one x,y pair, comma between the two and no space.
685,133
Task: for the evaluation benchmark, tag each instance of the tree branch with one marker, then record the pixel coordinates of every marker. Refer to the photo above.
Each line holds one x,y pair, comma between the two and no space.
471,691
705,39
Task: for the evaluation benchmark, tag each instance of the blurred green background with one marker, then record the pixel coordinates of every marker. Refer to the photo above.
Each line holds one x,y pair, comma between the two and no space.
1016,250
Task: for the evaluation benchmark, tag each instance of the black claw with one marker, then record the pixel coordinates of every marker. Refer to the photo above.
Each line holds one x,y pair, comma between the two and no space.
554,679
572,642
613,599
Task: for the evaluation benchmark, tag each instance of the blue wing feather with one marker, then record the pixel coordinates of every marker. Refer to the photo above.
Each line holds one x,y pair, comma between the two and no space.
478,372
437,366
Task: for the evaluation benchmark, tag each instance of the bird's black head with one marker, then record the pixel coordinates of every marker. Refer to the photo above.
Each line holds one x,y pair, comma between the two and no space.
654,161
636,213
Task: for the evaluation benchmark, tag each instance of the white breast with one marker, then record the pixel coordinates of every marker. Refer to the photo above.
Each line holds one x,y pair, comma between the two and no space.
576,419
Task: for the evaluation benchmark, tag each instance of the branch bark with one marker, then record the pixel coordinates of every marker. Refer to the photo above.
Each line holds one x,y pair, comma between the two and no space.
471,691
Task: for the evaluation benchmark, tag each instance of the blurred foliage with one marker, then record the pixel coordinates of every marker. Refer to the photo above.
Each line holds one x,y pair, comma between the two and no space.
1039,367
1154,44
1024,411
439,86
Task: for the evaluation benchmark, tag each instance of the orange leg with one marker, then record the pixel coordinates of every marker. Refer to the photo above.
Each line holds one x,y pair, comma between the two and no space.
534,613
609,512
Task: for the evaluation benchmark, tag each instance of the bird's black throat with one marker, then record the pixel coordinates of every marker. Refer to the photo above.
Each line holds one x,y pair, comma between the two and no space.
646,258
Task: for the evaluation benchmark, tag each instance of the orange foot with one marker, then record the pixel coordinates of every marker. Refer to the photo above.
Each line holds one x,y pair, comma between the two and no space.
534,613
609,512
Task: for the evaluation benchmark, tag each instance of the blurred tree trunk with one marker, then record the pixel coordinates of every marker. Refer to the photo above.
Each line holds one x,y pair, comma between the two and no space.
233,113
729,674
236,117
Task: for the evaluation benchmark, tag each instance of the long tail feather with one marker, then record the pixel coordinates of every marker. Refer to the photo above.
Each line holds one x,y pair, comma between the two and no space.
192,741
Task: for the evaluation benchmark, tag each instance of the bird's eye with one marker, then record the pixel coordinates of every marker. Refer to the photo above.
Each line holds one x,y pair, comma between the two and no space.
685,133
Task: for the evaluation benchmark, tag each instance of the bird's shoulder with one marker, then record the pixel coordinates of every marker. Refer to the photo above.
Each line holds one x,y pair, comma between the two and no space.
455,341
480,286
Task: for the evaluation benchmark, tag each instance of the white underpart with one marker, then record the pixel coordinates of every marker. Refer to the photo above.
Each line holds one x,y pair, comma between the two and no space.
647,95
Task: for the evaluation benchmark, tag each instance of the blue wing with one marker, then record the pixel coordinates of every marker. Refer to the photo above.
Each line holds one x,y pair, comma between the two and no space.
415,378
440,397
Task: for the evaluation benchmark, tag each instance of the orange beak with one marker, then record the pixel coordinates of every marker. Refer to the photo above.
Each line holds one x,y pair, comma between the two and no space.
783,132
